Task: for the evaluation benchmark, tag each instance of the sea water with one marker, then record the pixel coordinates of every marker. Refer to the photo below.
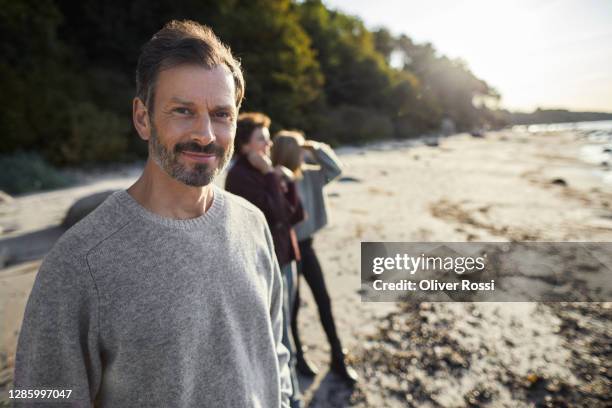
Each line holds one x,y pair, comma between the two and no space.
600,128
597,151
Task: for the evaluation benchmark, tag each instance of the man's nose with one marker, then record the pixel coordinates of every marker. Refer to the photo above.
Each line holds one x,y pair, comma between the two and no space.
203,130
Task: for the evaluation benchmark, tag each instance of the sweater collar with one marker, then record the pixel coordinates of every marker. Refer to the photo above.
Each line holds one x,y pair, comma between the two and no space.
208,218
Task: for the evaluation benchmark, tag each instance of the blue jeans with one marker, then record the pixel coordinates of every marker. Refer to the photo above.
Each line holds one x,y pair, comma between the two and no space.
289,272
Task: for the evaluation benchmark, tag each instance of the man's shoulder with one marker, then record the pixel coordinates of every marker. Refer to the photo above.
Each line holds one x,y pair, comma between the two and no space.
242,207
104,221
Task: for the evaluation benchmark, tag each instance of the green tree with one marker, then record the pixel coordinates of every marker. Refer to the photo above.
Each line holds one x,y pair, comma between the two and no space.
447,84
282,73
67,73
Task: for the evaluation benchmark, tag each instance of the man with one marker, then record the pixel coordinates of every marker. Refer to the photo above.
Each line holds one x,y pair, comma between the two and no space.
169,293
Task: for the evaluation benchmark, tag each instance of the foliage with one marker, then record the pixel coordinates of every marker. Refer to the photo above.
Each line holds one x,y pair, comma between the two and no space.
67,73
356,125
447,87
25,172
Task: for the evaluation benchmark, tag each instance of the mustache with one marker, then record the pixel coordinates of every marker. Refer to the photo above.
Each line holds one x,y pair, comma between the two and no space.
211,148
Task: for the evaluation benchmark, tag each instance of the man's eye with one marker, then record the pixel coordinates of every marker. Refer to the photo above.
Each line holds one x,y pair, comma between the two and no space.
223,115
182,111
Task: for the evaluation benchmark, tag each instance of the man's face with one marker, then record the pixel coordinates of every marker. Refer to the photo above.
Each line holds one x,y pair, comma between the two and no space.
193,122
259,142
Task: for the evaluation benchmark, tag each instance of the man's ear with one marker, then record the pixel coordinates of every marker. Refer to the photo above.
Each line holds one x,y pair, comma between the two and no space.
141,119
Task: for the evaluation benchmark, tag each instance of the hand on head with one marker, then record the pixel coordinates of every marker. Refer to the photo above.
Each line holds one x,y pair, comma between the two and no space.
310,144
260,161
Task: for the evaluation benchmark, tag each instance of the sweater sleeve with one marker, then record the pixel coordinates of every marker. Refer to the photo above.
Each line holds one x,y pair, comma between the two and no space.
331,167
58,343
276,317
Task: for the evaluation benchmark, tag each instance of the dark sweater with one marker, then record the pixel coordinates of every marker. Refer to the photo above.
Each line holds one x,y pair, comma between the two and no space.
282,210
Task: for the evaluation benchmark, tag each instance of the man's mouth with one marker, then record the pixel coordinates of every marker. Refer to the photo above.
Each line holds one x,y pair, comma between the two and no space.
199,157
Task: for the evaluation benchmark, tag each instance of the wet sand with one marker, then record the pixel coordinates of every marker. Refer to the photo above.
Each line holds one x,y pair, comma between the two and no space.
500,188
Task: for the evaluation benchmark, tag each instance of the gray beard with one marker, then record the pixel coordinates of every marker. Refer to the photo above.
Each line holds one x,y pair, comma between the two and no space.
201,174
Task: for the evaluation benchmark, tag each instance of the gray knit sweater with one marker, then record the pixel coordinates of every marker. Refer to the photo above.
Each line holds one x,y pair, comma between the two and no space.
131,309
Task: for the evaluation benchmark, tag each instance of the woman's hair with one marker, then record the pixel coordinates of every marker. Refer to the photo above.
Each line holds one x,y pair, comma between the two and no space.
245,126
287,150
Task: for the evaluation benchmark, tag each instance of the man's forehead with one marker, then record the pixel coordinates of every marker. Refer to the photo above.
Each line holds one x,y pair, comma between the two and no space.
194,84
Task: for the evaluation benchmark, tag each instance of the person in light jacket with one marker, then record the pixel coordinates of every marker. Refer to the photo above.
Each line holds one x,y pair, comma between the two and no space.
315,165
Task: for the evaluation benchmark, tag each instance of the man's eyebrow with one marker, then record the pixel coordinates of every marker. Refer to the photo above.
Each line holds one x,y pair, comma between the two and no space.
224,107
176,99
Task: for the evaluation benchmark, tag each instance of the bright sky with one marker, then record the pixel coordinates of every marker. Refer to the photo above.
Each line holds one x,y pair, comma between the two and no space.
547,53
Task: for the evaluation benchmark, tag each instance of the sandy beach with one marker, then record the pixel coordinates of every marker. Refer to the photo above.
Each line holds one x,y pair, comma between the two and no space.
507,186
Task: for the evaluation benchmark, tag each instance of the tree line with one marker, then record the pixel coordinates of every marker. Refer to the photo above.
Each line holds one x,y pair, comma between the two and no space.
551,116
67,74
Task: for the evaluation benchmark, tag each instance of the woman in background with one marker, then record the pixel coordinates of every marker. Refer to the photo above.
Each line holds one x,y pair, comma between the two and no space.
271,189
314,164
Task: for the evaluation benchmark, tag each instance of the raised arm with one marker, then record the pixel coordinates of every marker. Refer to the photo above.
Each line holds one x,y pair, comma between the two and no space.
331,167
